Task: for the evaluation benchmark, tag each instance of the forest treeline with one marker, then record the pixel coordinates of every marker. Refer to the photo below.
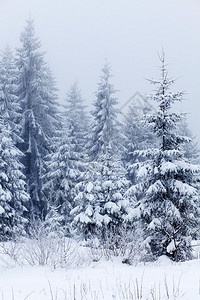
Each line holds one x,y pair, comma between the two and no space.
93,176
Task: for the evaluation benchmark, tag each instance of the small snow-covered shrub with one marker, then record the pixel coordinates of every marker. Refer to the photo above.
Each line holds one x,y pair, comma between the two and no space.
55,252
10,253
42,249
123,242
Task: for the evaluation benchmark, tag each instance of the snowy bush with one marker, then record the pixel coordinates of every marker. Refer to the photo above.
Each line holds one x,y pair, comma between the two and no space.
41,249
123,242
54,252
45,249
10,254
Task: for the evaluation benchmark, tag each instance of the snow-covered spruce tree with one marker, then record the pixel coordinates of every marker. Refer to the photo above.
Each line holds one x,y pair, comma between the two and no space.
115,203
14,199
67,163
104,128
39,114
190,148
13,196
167,199
191,152
101,205
76,118
53,223
136,136
57,183
86,217
9,100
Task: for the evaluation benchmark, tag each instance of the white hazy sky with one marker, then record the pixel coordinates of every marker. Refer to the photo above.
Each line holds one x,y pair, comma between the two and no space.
78,35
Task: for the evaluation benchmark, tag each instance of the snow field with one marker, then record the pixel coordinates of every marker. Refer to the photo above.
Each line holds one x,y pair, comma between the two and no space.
102,280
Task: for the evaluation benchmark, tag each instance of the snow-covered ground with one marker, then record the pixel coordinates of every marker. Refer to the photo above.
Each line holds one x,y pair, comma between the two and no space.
101,280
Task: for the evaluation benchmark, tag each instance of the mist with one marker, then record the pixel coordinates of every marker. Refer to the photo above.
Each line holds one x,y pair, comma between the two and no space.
79,35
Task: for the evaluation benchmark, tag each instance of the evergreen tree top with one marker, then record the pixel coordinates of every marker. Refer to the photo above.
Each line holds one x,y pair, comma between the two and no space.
28,38
164,122
162,95
104,128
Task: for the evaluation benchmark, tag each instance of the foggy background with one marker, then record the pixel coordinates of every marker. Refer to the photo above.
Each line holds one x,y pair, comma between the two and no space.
78,35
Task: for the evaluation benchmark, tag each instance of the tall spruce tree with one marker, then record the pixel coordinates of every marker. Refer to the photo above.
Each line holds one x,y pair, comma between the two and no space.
67,162
100,203
190,148
167,202
14,199
136,136
104,129
9,101
76,118
40,120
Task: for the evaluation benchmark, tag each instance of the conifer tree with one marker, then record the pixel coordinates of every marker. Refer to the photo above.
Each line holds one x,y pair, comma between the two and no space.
136,136
86,216
59,181
9,100
14,199
104,129
190,148
76,118
100,204
40,119
167,201
112,186
13,196
67,163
